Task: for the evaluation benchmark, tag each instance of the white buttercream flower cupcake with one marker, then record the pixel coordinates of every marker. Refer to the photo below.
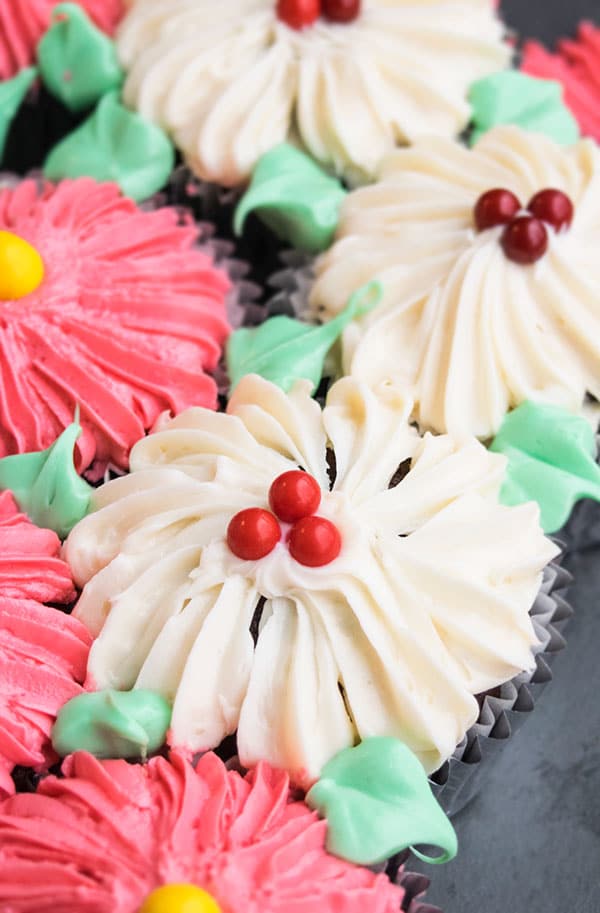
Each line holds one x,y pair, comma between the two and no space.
350,78
489,264
383,582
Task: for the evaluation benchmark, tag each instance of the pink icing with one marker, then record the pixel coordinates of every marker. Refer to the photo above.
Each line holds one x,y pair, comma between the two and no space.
43,652
23,22
101,840
576,64
127,320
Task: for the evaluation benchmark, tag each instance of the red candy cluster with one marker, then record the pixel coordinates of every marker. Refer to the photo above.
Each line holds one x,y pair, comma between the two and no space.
299,14
294,497
525,237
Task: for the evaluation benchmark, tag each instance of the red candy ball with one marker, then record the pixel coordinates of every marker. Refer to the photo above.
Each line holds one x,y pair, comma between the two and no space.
253,533
525,240
294,495
314,541
495,207
552,206
298,13
341,10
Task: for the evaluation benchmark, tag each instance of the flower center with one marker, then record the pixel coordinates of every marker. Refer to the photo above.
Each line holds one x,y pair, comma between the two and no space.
294,497
299,14
180,898
525,237
21,267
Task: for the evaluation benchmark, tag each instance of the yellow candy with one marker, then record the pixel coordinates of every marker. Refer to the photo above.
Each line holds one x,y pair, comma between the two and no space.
21,267
180,898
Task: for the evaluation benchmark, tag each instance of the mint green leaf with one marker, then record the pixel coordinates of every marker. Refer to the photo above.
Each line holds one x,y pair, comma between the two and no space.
115,144
534,104
46,485
283,350
378,802
12,93
551,460
78,63
112,724
294,197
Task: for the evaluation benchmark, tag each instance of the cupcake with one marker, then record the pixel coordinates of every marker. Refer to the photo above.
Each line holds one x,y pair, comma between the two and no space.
107,308
349,81
309,578
487,259
117,838
43,651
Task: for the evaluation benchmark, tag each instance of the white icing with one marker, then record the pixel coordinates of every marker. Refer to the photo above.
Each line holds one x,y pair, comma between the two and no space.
231,82
462,329
426,605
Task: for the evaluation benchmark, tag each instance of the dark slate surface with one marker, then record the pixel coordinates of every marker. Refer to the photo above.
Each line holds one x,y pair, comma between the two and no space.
531,842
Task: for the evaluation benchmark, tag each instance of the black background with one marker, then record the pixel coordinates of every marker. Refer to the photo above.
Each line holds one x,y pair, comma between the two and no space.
531,842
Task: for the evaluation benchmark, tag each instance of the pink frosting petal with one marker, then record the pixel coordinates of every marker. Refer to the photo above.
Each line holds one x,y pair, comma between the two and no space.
129,317
23,22
43,652
576,64
102,839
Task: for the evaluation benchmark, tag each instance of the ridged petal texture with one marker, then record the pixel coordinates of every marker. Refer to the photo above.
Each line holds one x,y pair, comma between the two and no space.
43,651
101,840
127,321
468,333
230,87
426,606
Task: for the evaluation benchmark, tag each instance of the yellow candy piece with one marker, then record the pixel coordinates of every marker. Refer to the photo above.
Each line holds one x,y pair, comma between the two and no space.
179,898
21,267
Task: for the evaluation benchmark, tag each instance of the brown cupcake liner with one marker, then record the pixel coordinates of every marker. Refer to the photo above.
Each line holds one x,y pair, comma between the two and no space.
504,710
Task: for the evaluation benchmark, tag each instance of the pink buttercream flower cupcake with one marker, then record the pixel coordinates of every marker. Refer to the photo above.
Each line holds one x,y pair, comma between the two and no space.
107,307
118,838
23,22
43,652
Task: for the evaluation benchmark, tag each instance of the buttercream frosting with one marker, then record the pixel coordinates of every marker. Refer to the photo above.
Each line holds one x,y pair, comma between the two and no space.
466,331
127,321
43,651
23,22
108,834
231,86
425,606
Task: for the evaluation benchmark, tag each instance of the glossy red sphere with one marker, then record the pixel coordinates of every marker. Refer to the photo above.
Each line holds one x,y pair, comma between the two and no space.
495,207
253,533
314,541
525,240
552,206
298,13
341,10
294,495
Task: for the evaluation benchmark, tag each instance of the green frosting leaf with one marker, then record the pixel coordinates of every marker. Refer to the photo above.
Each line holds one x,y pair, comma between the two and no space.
294,197
77,61
378,802
551,460
112,724
12,93
511,97
46,485
283,350
115,144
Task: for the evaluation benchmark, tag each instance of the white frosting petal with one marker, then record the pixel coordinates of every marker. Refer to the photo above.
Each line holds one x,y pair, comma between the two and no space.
462,329
425,606
233,85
